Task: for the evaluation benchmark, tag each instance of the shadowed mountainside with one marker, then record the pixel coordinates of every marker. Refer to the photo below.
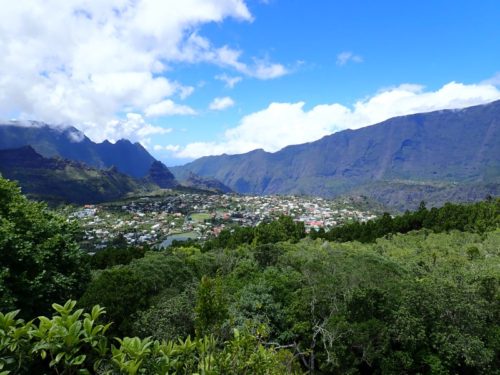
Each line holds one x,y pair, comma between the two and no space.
60,180
69,143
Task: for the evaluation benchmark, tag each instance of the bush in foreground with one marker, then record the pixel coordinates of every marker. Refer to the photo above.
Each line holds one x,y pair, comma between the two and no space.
74,342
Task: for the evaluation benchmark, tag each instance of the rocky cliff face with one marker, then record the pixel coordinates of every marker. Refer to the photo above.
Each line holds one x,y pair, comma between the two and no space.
205,183
161,176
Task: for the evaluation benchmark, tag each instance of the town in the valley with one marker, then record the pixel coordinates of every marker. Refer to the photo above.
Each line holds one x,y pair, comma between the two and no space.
159,220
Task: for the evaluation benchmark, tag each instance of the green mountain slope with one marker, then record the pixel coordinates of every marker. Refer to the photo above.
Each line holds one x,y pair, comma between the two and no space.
59,180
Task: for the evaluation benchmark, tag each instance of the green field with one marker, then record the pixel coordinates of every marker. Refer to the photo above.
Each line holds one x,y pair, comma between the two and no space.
200,217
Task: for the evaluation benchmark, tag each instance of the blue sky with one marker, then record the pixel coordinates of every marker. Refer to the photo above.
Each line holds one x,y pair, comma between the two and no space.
157,71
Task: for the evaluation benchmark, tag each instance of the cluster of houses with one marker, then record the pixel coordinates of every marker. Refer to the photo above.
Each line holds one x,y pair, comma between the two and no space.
152,220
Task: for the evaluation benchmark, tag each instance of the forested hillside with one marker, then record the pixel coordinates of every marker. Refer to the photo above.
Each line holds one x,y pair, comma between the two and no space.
414,294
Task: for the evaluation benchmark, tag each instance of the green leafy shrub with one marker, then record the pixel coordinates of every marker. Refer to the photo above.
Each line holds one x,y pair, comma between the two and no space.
73,342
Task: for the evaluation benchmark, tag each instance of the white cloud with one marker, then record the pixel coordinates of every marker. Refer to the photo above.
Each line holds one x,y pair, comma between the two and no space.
495,80
186,91
230,81
282,124
171,148
347,56
219,104
199,49
133,127
168,108
267,70
85,62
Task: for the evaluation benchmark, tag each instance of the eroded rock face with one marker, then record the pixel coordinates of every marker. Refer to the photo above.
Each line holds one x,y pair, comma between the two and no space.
206,183
161,175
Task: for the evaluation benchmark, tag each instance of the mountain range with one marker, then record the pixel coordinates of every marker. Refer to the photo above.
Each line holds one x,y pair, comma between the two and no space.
437,156
70,143
56,180
447,155
69,149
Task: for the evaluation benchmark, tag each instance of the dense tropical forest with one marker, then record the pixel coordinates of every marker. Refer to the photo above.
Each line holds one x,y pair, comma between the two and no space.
413,294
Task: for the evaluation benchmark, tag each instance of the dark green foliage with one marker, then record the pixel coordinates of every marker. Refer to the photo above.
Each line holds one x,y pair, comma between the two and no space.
171,316
122,290
419,303
190,242
127,289
113,256
267,255
231,238
40,261
211,307
283,229
445,325
423,302
478,217
415,303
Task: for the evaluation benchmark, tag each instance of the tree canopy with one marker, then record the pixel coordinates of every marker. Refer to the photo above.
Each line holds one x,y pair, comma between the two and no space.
40,262
413,294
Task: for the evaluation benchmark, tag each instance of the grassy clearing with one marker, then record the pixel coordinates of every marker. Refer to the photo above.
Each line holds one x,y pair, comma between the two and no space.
200,217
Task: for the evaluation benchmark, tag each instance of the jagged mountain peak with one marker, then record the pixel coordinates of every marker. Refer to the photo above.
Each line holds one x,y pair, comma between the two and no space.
70,143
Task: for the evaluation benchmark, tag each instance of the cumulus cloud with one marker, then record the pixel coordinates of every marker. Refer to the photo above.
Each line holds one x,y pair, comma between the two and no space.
266,70
133,127
347,56
171,148
168,108
88,62
282,124
185,91
230,81
219,104
200,49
